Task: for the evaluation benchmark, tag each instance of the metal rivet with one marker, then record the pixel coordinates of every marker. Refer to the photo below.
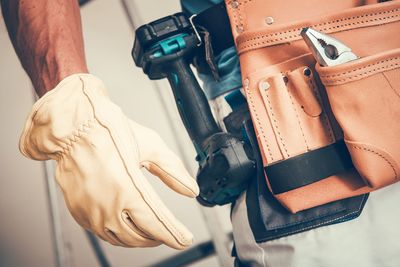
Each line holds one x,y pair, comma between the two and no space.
239,29
265,85
269,20
234,4
285,79
246,82
307,72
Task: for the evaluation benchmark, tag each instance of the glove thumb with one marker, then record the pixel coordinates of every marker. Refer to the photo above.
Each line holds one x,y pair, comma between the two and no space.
162,162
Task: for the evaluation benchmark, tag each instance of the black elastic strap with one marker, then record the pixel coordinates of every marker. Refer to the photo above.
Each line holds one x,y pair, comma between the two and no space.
308,168
216,21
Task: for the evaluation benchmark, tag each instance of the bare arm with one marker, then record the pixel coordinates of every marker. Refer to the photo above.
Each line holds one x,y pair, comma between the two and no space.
47,36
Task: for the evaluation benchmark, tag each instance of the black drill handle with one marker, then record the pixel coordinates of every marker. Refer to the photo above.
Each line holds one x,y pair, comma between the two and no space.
191,101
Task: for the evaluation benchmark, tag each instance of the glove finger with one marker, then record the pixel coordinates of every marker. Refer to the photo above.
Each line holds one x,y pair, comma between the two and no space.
157,158
105,236
126,237
112,238
136,237
153,218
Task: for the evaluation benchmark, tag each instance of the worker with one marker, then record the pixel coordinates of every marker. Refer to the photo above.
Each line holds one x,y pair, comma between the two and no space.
99,153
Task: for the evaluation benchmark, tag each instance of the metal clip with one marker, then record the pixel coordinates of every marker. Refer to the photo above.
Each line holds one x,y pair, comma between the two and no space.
195,29
327,50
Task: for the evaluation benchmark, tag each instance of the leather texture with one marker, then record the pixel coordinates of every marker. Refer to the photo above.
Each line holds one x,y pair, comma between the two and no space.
365,98
99,154
292,111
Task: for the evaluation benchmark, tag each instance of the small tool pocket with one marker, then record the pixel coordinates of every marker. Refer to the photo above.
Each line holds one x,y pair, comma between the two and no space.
292,103
303,152
365,98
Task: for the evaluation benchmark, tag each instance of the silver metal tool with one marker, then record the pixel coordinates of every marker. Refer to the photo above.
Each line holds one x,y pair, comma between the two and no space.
327,50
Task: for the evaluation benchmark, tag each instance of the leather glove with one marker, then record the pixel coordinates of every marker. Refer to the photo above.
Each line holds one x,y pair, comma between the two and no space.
99,153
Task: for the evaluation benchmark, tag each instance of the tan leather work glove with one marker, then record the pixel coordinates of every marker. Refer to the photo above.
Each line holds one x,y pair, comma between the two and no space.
99,153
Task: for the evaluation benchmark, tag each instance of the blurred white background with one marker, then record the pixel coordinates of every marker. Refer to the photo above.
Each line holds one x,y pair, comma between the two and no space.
25,235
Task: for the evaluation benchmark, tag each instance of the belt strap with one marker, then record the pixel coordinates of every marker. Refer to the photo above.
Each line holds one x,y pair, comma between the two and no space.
309,167
216,21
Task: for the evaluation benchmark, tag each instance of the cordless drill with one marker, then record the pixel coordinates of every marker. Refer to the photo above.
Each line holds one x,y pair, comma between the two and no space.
164,49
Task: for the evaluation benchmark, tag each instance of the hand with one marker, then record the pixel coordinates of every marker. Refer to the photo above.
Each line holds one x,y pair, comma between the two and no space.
99,153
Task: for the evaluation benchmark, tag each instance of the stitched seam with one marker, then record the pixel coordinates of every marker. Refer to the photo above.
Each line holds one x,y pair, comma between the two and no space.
235,17
244,2
139,231
240,3
320,24
239,11
379,154
240,15
166,173
276,124
390,84
139,153
298,119
366,73
243,48
148,199
360,68
322,223
336,219
325,223
324,115
79,132
250,97
176,234
312,218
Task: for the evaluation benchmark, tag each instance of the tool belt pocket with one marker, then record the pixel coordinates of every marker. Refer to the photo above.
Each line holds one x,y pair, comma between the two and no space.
365,98
302,152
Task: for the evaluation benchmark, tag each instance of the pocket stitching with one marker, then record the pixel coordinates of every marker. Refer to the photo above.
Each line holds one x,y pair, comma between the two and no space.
276,124
250,97
360,68
329,23
378,154
298,119
331,79
255,41
390,84
323,115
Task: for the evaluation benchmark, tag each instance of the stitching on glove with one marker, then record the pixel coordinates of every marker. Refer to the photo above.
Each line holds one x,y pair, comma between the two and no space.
166,173
146,196
111,235
79,132
135,227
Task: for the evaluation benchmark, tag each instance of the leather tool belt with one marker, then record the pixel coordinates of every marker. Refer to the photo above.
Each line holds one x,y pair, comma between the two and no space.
325,133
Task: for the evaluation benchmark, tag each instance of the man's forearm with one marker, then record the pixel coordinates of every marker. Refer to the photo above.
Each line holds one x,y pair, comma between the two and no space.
47,36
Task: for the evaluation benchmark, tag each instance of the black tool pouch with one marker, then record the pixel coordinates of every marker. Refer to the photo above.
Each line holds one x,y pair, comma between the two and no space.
270,220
